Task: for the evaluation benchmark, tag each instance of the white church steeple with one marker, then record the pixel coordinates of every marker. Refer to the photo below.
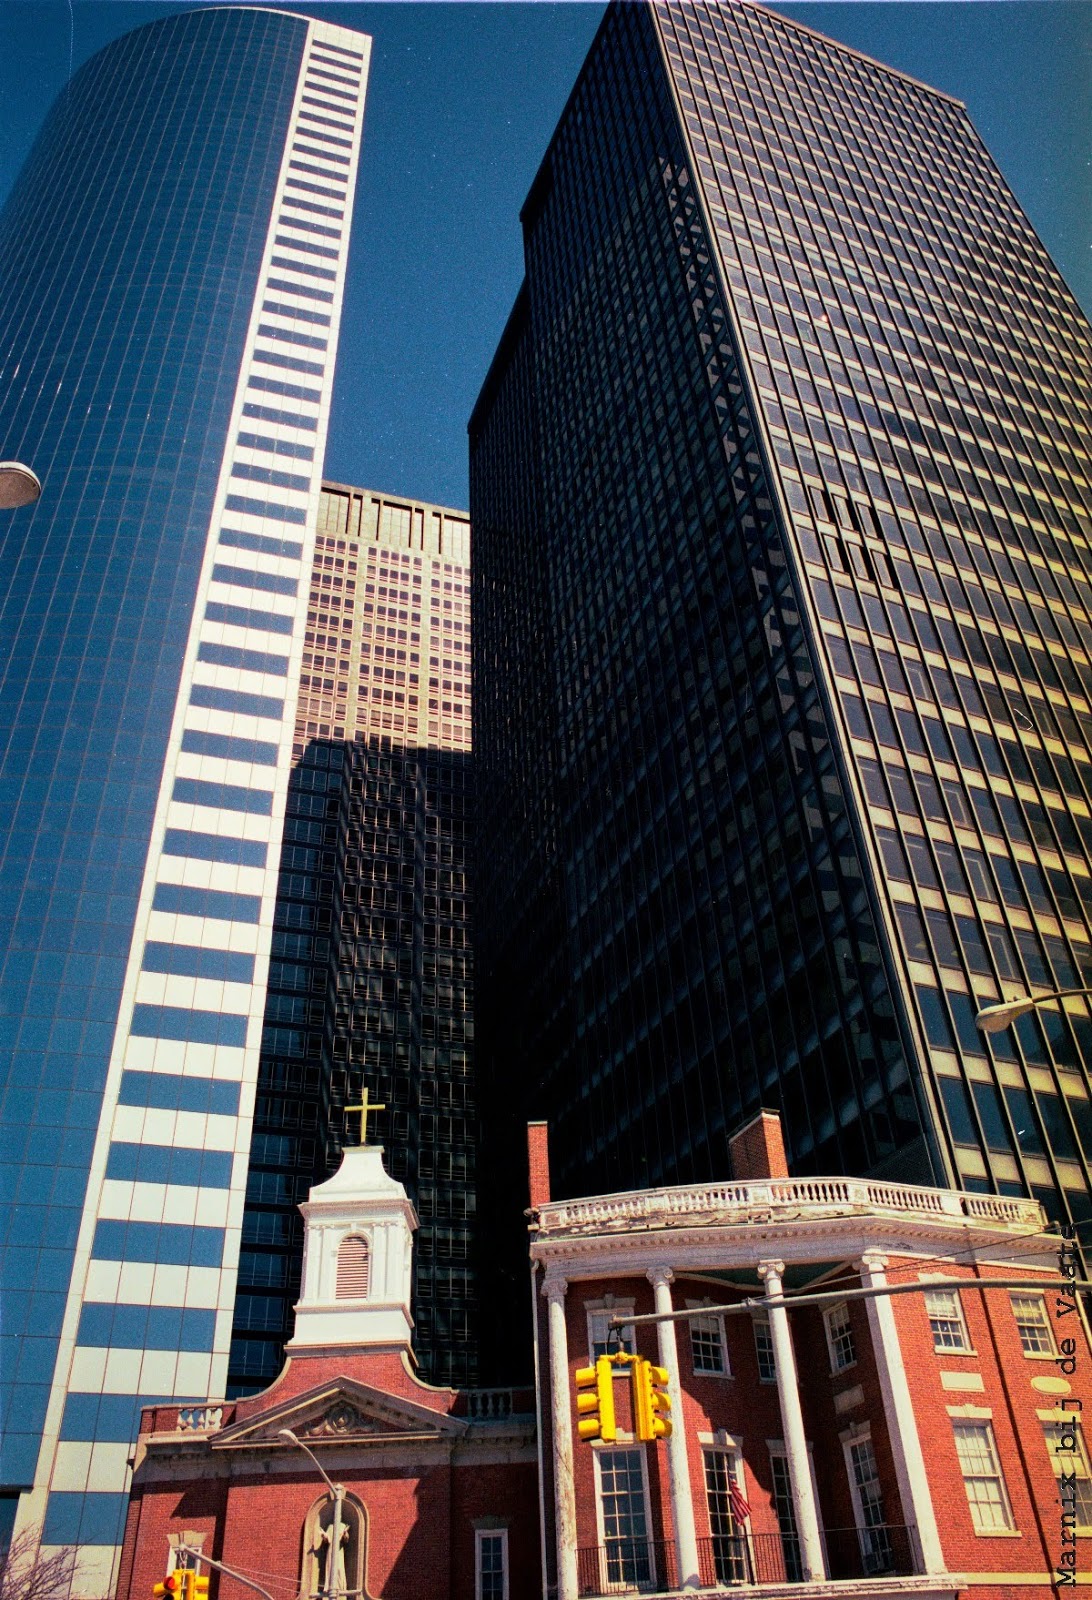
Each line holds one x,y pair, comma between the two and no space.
357,1258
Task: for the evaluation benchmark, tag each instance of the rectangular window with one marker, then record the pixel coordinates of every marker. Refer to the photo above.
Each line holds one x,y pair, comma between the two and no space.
261,543
491,1564
228,747
1069,1458
623,1510
251,705
601,1341
946,1320
764,1350
729,1542
229,655
986,1493
250,577
873,1539
786,1517
192,961
707,1345
223,796
244,617
843,1352
1033,1324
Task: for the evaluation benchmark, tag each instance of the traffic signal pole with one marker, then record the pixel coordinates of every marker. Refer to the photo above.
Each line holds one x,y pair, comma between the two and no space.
218,1566
831,1296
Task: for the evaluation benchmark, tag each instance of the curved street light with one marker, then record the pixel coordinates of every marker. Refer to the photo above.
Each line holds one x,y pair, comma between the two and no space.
996,1018
19,486
337,1492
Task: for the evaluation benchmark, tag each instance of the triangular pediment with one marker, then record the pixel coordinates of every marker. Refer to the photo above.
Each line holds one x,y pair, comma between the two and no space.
340,1411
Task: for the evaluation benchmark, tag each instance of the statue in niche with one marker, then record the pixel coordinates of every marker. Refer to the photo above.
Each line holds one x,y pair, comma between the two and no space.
340,1572
323,1551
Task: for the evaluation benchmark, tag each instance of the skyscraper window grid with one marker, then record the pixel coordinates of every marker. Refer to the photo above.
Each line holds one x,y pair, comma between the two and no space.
926,549
177,609
370,985
930,431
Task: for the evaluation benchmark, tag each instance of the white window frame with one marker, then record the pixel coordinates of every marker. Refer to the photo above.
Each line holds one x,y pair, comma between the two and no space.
599,1313
1051,1352
1070,1460
778,1447
712,1324
759,1319
964,1418
598,1453
837,1364
480,1535
962,1349
731,1446
869,1534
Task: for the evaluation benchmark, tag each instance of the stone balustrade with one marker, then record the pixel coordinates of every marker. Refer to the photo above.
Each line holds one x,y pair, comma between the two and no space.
199,1419
765,1198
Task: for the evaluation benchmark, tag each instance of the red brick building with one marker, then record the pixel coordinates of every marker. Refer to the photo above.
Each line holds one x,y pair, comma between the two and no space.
827,1439
440,1484
914,1442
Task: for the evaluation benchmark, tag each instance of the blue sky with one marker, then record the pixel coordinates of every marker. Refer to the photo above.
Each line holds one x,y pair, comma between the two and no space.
462,100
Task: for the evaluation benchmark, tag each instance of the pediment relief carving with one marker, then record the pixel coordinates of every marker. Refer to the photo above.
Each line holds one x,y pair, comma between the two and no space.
341,1421
341,1410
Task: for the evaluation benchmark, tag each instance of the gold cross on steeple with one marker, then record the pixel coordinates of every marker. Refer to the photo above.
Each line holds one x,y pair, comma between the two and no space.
365,1108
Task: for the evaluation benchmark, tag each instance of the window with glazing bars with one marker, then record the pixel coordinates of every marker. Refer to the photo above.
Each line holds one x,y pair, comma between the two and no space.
978,1461
1032,1324
707,1345
729,1542
624,1511
872,1535
946,1320
1069,1458
843,1351
492,1564
764,1350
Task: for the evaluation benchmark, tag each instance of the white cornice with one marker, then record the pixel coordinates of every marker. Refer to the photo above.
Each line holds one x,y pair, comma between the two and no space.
804,1221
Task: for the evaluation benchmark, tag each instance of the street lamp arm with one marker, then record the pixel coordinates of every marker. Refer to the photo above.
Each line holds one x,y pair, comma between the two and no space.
286,1433
330,1590
199,1556
998,1017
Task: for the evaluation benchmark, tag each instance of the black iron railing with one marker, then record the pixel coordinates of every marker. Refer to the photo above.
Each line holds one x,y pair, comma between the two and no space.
622,1566
649,1566
884,1550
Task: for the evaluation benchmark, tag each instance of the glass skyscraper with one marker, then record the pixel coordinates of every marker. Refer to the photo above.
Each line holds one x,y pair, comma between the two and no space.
174,254
370,983
783,632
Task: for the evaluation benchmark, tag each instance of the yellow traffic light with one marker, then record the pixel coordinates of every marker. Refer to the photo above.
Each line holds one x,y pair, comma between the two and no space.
200,1587
173,1587
650,1400
595,1401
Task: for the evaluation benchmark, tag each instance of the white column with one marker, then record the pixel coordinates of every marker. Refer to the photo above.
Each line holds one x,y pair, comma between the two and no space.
917,1501
562,1429
678,1467
792,1421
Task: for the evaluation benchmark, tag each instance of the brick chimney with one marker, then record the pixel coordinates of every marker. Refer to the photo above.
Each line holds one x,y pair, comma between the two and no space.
538,1163
758,1150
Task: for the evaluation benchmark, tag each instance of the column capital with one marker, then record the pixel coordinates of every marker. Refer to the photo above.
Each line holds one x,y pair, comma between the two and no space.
554,1287
771,1269
873,1262
659,1274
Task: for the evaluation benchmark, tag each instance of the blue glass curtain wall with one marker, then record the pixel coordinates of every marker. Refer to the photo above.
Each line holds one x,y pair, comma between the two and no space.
131,246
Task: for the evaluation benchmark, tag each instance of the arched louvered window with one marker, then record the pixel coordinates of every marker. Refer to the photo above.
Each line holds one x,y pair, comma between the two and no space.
353,1267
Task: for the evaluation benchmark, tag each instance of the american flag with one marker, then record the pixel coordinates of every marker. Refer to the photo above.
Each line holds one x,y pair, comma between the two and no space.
740,1509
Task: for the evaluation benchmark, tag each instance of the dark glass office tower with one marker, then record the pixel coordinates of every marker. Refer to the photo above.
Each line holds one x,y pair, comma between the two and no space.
174,253
782,519
370,982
